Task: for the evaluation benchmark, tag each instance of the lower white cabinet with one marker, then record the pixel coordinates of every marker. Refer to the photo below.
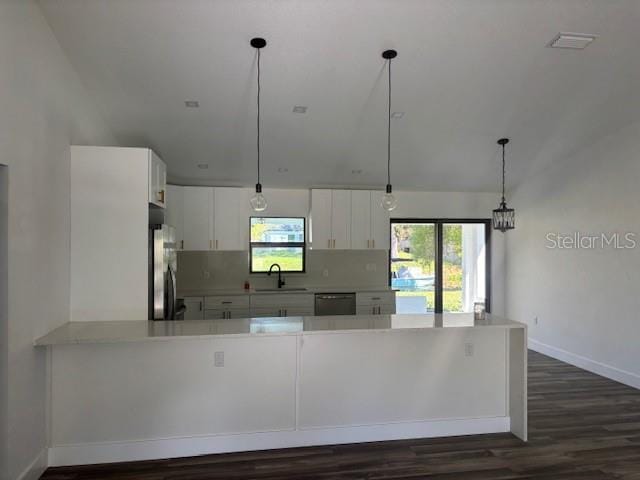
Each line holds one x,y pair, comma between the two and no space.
282,305
227,314
375,303
195,308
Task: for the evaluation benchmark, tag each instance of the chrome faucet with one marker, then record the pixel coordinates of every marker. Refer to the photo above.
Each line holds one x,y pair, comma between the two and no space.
280,279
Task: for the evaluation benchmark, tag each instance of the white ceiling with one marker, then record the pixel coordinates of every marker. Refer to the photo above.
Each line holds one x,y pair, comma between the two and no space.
468,72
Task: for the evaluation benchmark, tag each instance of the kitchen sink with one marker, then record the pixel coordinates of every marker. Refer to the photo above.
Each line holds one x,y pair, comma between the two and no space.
284,289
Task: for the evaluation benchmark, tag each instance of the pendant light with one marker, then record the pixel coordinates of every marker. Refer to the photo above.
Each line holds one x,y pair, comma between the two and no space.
389,202
257,201
503,218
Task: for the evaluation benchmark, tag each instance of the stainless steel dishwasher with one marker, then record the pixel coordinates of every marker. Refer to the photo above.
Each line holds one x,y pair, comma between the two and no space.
335,304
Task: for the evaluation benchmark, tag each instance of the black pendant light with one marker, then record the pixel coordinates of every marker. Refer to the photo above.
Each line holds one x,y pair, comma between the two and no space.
503,218
257,201
389,202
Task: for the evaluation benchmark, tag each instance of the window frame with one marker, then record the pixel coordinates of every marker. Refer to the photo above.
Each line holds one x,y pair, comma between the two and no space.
439,224
302,245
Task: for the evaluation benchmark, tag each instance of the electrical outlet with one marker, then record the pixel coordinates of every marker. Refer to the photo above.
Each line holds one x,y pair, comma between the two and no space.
325,272
468,349
218,359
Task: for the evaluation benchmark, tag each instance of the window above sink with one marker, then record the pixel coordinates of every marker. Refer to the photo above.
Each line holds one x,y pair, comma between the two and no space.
279,240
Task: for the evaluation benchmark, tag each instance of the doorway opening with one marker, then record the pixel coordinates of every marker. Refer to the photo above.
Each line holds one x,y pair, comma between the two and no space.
440,265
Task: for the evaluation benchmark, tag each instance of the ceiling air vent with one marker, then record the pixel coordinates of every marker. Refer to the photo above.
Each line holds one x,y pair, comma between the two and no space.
576,41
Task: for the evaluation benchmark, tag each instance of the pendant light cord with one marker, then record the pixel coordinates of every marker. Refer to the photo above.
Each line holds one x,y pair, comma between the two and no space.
258,117
389,131
503,174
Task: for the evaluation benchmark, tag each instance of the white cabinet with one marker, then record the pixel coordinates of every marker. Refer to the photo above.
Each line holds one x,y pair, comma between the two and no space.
195,308
341,218
109,237
230,219
380,223
360,219
173,212
226,314
369,221
375,303
197,217
282,305
157,180
208,218
226,307
330,219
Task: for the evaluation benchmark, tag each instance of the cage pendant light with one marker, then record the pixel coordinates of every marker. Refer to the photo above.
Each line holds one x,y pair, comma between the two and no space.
389,202
504,218
257,201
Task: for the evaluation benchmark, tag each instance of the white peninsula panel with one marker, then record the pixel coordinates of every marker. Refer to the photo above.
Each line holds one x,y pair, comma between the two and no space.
133,391
367,378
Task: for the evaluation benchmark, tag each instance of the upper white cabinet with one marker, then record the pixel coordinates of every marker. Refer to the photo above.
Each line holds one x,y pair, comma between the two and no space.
174,206
230,219
208,218
157,180
369,221
380,223
348,219
360,219
197,215
331,219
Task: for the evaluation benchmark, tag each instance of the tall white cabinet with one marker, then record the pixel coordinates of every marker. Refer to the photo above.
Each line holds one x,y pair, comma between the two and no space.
111,191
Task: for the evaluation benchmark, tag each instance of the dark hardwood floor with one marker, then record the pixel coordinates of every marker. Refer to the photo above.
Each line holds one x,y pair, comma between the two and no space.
581,427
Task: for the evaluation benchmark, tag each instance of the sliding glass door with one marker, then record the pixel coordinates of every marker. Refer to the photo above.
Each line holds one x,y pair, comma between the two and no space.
440,265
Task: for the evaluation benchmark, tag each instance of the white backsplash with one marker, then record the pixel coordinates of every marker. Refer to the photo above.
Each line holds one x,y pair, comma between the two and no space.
230,269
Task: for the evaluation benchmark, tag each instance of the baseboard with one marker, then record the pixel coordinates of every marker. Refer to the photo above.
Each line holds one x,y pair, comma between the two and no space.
604,370
189,446
36,468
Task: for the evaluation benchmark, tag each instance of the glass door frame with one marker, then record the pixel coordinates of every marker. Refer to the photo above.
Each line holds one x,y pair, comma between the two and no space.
439,223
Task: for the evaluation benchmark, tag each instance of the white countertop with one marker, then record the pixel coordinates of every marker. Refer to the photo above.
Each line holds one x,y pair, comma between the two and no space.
208,292
142,331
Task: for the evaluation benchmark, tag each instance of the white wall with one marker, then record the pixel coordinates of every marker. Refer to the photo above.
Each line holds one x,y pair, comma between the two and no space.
44,109
586,301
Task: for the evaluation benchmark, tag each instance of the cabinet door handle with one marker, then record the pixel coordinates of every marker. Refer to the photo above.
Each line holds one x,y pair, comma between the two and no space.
216,244
200,306
227,302
368,242
373,243
210,244
334,243
181,244
329,243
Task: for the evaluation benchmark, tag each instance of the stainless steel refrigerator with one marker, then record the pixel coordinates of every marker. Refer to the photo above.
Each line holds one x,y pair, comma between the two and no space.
163,265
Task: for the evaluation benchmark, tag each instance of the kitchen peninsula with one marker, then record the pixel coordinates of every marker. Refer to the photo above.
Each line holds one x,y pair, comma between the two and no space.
138,390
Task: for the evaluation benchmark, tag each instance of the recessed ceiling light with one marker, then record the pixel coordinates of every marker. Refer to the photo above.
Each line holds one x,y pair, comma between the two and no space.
203,166
397,115
356,172
191,104
299,109
576,41
283,170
